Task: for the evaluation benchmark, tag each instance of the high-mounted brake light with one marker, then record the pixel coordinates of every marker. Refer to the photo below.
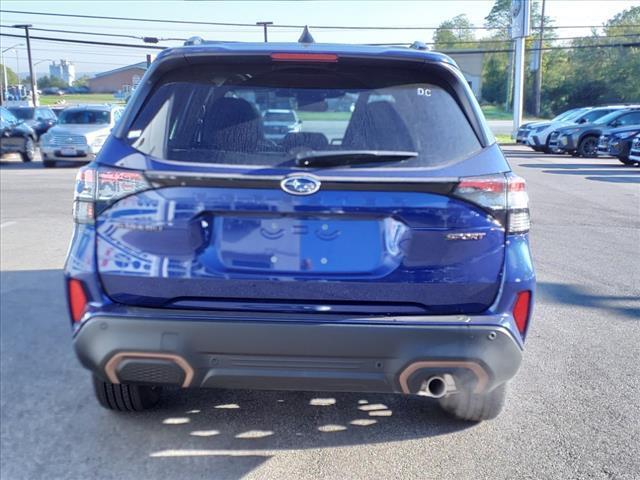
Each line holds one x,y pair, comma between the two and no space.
504,196
304,57
96,186
521,310
77,299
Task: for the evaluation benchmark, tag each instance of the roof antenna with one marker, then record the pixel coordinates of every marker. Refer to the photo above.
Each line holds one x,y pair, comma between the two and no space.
306,36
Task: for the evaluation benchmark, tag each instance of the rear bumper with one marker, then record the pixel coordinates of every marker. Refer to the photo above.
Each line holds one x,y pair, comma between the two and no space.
223,351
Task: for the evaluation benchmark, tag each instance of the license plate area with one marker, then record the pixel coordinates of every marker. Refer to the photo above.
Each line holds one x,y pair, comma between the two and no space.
68,151
307,246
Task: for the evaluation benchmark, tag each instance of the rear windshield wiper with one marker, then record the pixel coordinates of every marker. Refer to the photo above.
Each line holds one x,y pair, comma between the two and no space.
333,158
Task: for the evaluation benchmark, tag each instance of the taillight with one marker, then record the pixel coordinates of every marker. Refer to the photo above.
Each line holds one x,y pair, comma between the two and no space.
100,186
504,196
521,310
77,299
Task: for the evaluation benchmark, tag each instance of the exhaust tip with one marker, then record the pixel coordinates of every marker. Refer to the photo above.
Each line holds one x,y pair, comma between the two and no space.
435,387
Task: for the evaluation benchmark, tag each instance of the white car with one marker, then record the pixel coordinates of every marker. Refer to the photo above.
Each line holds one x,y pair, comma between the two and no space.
278,122
537,133
539,137
79,134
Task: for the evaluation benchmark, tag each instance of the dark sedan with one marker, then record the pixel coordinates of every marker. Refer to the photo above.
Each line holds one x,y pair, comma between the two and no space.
616,142
40,119
16,136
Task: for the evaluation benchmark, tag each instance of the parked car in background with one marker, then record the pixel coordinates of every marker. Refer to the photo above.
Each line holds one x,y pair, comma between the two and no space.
526,128
616,142
16,136
80,133
52,91
278,123
538,136
582,140
634,153
549,135
40,119
393,260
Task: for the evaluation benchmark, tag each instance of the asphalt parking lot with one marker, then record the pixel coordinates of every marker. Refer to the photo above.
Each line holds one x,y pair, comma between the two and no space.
572,412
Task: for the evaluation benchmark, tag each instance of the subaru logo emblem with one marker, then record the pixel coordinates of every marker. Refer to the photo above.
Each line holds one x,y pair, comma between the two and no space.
300,184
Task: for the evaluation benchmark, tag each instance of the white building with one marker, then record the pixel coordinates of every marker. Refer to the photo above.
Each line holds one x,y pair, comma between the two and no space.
65,70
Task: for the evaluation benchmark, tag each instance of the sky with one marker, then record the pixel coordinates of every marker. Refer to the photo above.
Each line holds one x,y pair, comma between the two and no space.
92,59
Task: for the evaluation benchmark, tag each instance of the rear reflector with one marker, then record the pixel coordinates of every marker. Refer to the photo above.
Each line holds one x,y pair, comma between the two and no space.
521,310
304,57
77,299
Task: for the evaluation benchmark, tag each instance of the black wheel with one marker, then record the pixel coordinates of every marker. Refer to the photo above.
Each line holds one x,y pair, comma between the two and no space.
49,163
466,405
125,397
29,152
588,147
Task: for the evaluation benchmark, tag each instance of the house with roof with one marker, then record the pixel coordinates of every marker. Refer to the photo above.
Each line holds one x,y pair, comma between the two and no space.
121,79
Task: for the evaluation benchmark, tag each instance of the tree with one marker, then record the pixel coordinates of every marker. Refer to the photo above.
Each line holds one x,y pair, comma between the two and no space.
46,81
12,78
81,82
452,33
499,18
496,68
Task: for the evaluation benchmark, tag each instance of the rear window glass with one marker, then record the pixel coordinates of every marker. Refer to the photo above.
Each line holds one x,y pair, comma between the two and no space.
84,117
224,115
23,113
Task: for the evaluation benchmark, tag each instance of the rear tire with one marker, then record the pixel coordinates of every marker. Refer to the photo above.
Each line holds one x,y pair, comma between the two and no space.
29,153
125,397
588,147
48,163
469,406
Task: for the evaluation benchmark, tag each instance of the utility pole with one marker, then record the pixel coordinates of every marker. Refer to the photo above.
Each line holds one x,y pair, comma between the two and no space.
520,29
34,93
538,78
264,25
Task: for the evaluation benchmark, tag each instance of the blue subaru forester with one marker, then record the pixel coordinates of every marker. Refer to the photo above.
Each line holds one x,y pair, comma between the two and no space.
378,243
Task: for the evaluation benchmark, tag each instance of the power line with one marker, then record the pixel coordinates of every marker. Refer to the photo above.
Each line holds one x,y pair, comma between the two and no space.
156,47
232,24
87,42
533,49
120,35
485,41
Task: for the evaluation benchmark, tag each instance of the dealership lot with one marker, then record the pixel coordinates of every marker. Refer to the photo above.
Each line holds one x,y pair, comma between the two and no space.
573,411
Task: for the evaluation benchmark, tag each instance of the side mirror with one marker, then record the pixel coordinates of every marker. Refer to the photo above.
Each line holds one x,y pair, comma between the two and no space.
615,123
582,120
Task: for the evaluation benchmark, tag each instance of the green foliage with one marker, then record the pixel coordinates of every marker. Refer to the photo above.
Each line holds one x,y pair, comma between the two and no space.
81,82
573,77
451,32
47,81
12,78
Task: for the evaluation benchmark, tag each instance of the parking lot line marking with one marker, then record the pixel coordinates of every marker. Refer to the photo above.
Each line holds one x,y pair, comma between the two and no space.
7,224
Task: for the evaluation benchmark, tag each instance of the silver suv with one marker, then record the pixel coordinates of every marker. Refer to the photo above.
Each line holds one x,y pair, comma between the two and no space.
80,133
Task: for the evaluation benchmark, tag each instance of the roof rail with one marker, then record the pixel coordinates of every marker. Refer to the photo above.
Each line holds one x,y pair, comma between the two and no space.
194,41
418,45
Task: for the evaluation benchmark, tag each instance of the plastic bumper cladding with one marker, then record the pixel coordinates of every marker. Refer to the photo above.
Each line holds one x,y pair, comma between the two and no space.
230,351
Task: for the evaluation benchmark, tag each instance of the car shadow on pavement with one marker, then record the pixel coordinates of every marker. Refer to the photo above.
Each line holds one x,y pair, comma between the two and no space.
19,165
627,306
228,432
615,173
